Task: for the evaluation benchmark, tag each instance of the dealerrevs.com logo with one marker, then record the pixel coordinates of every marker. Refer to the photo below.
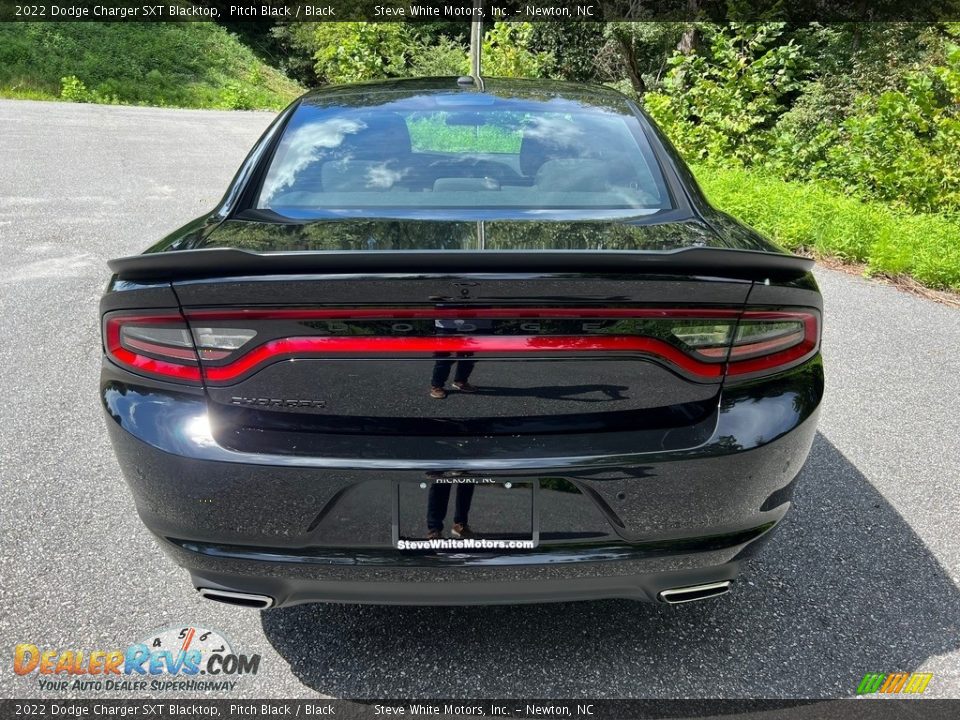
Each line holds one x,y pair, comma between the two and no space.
180,659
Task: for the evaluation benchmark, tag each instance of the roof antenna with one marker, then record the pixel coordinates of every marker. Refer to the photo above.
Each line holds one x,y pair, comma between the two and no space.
476,43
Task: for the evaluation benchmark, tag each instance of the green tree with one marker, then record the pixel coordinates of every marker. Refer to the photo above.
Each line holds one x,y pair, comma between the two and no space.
573,47
506,52
722,102
355,51
903,146
637,52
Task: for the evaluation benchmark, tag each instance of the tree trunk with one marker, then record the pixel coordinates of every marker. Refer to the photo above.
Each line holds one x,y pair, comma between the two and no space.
690,39
630,61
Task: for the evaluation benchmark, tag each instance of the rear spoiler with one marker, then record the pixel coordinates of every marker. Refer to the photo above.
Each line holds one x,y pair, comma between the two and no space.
229,262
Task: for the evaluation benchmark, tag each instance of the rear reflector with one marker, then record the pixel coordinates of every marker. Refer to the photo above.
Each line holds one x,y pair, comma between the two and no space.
224,346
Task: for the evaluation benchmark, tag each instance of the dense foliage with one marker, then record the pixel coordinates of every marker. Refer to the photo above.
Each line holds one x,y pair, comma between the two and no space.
812,104
193,64
356,51
843,139
722,102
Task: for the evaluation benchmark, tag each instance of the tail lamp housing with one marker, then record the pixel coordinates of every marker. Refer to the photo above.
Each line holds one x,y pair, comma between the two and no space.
163,346
156,345
219,346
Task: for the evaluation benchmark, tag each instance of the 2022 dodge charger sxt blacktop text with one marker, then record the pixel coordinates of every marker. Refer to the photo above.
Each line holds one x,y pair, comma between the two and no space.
462,342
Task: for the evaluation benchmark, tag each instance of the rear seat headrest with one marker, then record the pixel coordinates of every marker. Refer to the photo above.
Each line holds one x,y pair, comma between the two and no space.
535,150
382,135
573,175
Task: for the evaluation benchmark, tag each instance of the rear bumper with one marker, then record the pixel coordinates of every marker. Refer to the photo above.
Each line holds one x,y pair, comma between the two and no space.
519,585
318,529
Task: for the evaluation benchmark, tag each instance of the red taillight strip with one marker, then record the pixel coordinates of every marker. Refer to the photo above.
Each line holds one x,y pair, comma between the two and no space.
143,363
298,346
429,313
150,366
762,346
291,347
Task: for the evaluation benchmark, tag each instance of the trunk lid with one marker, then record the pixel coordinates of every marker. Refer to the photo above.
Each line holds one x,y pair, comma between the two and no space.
575,336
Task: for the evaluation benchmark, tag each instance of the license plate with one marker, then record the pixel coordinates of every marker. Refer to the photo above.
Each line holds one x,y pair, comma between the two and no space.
500,514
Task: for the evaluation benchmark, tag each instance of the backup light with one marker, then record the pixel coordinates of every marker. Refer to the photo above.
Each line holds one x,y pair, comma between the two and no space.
216,343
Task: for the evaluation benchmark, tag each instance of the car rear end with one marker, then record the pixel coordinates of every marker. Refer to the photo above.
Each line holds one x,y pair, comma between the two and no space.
631,434
446,344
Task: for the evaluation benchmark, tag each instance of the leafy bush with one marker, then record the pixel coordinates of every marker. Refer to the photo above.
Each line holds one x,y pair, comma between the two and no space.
72,89
236,97
722,102
753,97
851,61
505,52
354,51
446,57
904,146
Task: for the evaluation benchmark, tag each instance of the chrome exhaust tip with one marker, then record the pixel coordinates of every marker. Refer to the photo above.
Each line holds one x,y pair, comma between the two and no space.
259,602
676,596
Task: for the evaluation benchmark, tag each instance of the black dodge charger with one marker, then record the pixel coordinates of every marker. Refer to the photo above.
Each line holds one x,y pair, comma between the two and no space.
458,341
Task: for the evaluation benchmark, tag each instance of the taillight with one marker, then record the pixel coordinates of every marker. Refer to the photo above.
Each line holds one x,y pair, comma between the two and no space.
702,344
705,341
162,345
768,342
156,345
759,342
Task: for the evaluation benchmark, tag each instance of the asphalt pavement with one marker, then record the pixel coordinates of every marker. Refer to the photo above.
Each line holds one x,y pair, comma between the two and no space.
862,577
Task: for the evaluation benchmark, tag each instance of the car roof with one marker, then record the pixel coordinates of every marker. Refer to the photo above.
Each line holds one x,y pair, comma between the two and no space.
364,93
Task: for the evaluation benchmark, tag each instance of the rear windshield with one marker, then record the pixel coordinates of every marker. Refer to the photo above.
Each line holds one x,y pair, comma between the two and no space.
462,152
